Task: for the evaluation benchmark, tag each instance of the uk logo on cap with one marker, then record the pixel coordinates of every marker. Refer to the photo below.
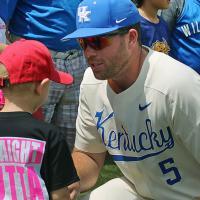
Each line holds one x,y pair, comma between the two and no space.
97,17
83,14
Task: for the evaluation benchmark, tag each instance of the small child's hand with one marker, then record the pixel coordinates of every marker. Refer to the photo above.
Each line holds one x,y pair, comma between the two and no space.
74,190
2,100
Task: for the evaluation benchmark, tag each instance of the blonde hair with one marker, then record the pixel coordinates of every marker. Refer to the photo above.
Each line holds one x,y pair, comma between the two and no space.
3,72
22,93
17,89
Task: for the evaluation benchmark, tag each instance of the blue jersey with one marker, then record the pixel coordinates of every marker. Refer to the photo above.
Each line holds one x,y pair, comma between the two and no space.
45,20
155,36
185,44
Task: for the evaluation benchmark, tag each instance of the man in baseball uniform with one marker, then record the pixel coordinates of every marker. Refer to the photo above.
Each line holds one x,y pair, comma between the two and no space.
139,105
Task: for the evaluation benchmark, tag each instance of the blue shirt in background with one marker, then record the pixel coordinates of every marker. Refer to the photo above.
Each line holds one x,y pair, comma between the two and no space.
155,35
47,21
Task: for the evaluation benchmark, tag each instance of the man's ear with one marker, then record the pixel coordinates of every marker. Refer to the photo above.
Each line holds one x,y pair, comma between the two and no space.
133,37
41,85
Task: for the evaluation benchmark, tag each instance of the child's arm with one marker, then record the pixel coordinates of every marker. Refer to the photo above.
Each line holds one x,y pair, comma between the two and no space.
61,170
60,194
171,14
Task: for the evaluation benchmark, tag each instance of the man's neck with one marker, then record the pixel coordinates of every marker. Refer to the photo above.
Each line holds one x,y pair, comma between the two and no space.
131,74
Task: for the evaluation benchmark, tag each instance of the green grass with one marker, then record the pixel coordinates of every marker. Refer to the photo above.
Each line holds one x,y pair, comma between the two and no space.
109,171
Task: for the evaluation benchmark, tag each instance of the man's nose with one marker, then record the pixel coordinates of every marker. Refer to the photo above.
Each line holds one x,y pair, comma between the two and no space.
89,52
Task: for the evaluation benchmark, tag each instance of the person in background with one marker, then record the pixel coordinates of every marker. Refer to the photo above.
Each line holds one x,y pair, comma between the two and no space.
139,105
183,19
155,33
35,160
48,22
2,31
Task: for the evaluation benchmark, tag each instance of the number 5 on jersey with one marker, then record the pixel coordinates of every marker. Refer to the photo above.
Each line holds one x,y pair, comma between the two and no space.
167,166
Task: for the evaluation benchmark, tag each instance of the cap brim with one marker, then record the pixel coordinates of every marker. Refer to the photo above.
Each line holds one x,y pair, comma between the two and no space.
62,77
89,32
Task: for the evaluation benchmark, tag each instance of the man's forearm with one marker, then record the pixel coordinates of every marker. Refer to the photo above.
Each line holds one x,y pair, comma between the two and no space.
87,170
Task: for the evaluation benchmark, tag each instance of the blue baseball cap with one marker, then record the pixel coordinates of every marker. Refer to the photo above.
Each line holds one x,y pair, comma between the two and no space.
97,17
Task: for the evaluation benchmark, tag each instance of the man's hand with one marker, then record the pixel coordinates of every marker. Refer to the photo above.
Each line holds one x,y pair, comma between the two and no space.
60,194
74,190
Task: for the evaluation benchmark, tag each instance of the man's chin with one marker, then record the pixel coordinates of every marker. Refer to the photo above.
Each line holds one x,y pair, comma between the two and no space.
99,76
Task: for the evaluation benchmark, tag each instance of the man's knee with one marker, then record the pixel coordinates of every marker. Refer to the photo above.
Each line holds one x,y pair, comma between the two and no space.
118,188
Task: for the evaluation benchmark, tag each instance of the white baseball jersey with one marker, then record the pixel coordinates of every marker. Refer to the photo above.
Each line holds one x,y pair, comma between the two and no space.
152,129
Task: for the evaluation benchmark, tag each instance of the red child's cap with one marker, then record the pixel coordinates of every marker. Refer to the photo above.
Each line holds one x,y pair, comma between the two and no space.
30,61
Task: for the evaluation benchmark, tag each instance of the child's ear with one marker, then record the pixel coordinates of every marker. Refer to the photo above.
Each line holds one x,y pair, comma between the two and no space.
41,85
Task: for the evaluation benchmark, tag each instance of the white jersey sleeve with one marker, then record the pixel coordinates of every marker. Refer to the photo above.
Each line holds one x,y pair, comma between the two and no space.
87,137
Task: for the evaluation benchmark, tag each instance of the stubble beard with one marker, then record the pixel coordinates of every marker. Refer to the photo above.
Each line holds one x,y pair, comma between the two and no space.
115,65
